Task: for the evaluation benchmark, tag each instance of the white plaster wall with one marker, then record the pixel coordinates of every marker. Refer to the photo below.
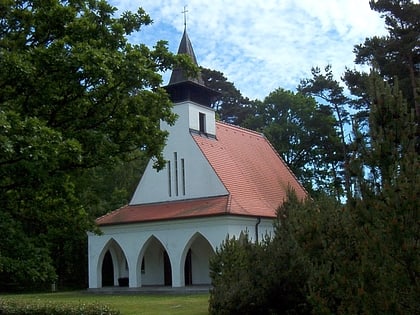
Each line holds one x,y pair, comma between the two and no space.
200,178
153,263
200,253
175,236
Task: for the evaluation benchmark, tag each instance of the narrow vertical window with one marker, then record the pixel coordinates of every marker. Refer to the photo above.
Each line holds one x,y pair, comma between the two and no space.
183,175
176,173
169,179
202,122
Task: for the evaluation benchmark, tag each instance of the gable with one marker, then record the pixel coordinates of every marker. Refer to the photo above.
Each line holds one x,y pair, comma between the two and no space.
187,174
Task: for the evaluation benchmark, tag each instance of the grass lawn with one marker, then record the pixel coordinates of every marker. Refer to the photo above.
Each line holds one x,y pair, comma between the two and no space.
196,304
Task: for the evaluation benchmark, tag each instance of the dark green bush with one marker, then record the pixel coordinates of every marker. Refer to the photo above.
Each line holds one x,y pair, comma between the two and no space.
265,278
14,307
238,277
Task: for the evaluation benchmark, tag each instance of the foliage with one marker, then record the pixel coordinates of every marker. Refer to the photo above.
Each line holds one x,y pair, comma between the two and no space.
14,307
398,53
231,106
324,87
263,278
237,272
387,205
303,133
107,188
22,259
74,95
331,258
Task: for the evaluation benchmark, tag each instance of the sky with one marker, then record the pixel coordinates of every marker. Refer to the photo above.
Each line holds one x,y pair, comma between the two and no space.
261,45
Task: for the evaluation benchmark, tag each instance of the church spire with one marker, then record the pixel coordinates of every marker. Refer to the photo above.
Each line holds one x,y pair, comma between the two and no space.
183,87
178,74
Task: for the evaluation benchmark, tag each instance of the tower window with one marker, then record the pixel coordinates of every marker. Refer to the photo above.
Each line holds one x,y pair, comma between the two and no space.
202,122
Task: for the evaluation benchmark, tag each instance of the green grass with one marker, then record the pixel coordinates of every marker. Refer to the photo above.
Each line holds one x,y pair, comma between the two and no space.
196,304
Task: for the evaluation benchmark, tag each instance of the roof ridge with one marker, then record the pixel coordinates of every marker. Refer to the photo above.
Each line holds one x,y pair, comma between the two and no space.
241,128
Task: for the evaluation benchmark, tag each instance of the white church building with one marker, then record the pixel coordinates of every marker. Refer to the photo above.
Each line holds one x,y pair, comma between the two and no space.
219,181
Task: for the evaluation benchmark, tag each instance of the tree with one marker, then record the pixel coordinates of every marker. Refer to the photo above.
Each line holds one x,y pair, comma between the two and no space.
303,133
74,95
231,106
99,190
398,53
369,247
324,87
387,205
238,272
360,257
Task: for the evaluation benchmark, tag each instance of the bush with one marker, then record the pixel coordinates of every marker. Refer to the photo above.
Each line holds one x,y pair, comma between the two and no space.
13,307
237,272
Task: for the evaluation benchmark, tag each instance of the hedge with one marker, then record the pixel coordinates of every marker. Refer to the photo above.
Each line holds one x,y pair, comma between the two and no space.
14,307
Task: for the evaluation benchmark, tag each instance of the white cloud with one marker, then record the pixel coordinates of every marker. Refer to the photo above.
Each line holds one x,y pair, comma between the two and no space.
263,45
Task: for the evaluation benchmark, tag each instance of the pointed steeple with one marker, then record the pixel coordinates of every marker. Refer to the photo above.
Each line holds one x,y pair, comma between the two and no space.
182,87
179,75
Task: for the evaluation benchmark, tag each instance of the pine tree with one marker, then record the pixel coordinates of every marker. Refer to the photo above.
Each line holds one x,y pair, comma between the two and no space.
386,211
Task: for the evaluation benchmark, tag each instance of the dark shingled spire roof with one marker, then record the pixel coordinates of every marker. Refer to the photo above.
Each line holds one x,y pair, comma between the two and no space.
182,87
179,75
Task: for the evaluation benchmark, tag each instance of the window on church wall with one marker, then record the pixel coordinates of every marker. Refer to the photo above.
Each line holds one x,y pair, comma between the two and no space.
176,173
183,175
176,176
169,179
202,122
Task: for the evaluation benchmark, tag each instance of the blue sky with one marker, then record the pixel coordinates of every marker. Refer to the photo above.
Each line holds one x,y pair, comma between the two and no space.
262,45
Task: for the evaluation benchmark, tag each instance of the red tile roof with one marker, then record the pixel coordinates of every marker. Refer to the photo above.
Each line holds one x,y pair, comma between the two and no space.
255,176
251,170
166,211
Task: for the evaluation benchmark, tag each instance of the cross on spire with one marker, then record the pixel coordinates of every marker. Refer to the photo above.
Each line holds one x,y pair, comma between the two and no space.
185,16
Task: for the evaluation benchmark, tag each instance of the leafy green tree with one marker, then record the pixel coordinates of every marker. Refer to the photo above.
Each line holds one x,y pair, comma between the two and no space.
74,95
231,106
303,133
103,189
100,190
324,87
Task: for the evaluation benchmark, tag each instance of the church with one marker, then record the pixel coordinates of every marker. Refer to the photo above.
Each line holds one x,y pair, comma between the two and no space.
219,181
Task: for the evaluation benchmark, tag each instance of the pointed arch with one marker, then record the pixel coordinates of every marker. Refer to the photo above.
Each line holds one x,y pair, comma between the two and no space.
153,265
113,255
195,259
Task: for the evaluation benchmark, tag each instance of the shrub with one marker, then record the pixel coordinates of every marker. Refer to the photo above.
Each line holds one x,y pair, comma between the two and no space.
14,307
237,272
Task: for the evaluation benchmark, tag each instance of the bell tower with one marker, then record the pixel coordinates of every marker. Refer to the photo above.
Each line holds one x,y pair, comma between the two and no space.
190,96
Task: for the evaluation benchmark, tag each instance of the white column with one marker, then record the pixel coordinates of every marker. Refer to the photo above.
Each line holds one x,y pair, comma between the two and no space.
133,276
178,279
93,265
